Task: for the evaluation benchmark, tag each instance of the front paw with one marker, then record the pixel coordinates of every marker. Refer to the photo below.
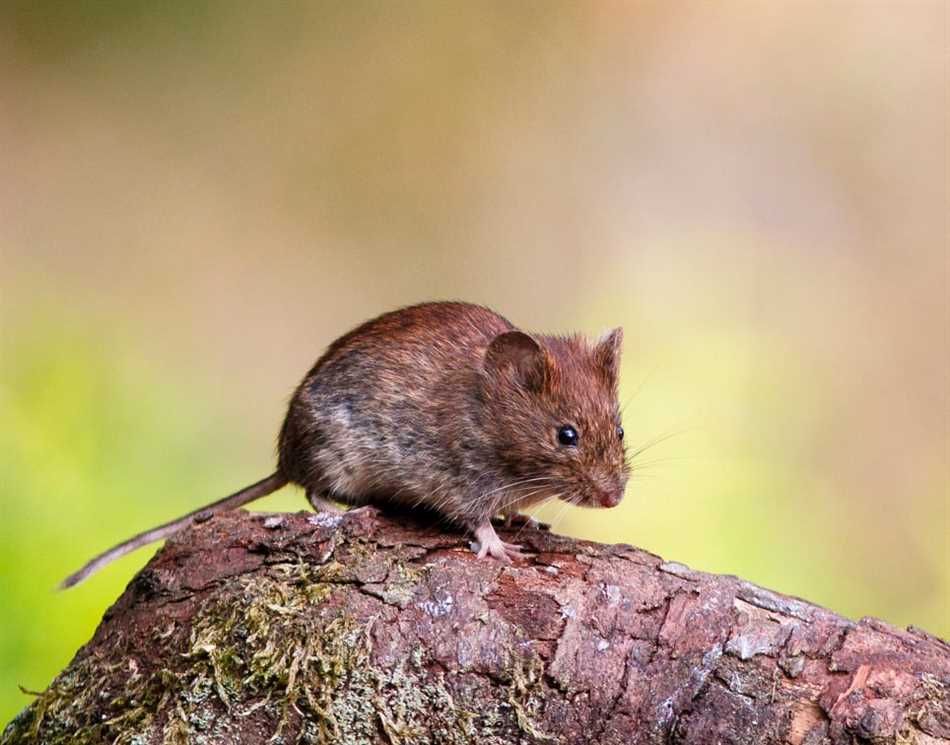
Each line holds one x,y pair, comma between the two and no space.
489,544
504,552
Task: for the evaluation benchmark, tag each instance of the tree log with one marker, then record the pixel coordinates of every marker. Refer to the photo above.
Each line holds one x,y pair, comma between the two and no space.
374,628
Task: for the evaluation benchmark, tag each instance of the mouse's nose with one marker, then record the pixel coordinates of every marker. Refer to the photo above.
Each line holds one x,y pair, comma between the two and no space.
611,498
608,490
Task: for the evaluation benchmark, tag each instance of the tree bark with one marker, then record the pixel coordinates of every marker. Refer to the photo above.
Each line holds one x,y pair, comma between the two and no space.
368,628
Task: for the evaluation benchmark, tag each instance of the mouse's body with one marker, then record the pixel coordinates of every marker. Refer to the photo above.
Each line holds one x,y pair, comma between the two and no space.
445,405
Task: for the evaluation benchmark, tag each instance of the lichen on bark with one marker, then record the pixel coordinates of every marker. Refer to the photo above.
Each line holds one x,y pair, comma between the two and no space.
374,629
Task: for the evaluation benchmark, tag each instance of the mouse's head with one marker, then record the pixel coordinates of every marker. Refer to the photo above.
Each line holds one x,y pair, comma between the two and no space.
552,404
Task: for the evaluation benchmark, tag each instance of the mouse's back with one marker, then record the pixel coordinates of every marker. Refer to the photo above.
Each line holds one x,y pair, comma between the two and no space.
366,418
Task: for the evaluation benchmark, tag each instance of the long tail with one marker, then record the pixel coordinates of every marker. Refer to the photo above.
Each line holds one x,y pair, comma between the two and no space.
248,494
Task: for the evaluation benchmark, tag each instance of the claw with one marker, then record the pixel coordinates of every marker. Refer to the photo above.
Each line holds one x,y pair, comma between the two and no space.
489,544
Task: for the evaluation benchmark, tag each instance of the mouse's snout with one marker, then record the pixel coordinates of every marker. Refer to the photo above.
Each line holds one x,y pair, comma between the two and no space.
612,497
608,493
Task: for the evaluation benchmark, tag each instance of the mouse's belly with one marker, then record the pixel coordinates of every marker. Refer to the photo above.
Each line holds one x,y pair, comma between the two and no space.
358,478
364,458
373,437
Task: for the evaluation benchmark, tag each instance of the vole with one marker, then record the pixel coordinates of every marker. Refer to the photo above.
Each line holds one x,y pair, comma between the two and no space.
446,405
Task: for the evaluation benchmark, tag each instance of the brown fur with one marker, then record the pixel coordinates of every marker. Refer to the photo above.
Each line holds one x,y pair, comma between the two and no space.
448,406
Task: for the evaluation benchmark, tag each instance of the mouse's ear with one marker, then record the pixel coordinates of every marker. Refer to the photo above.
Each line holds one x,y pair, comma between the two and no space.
607,353
520,353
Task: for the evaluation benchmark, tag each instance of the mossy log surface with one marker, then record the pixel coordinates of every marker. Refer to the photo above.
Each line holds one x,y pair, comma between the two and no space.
369,628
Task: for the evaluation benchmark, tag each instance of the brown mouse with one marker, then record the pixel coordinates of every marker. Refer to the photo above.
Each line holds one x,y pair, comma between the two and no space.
445,405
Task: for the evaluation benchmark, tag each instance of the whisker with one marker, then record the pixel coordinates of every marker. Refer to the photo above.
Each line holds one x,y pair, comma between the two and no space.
523,526
552,497
639,387
517,484
556,521
519,498
660,461
563,507
656,441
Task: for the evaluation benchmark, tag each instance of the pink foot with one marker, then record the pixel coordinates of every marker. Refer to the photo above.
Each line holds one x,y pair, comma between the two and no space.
489,544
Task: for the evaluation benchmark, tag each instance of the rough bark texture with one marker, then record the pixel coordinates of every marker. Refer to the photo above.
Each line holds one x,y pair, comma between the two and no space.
366,629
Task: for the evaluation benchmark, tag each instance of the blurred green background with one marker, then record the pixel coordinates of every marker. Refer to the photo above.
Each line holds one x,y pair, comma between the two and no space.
196,197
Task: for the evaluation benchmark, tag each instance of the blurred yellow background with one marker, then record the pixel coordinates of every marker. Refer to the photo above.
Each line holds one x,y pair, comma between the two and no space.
196,197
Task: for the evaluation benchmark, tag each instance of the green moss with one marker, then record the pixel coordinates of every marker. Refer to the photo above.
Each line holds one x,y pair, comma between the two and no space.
269,646
81,707
526,695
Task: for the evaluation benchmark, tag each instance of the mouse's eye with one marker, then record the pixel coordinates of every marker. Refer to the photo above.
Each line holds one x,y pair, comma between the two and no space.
567,435
619,432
